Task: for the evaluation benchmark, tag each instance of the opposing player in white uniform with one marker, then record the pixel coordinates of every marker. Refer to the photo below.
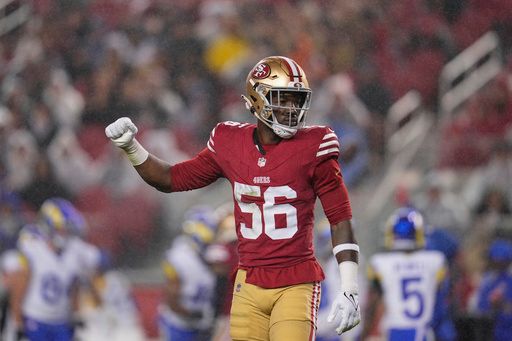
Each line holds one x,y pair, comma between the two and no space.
89,255
411,282
187,314
113,315
44,278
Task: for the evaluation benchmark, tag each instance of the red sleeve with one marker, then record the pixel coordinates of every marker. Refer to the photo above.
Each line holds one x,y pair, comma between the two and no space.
331,190
195,173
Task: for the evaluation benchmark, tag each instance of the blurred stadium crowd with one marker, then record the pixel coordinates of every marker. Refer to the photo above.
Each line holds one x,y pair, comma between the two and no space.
178,68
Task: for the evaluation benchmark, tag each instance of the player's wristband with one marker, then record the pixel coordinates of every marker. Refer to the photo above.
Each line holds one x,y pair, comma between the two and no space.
136,153
345,246
348,274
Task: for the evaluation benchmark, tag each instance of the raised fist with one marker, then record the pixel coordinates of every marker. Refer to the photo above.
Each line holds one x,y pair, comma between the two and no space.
121,132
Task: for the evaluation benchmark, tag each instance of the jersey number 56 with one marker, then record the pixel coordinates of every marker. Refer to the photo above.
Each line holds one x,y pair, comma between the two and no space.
266,222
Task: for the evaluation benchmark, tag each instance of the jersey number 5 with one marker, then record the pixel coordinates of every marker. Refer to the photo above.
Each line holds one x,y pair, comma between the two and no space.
411,293
266,222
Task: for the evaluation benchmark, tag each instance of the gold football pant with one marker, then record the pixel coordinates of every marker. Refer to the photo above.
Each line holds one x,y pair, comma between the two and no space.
280,314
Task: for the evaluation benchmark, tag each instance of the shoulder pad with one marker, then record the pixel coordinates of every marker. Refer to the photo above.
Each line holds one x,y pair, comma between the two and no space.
221,129
328,144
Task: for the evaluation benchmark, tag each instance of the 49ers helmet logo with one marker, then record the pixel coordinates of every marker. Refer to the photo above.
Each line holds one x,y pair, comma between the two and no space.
261,71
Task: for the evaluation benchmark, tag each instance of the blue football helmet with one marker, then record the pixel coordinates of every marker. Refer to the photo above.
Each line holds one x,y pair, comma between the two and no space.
59,220
404,230
200,223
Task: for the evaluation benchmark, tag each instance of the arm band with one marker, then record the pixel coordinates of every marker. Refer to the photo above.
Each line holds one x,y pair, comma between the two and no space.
346,246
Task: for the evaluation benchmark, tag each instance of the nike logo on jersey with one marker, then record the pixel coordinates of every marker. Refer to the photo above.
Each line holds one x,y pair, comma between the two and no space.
261,179
352,300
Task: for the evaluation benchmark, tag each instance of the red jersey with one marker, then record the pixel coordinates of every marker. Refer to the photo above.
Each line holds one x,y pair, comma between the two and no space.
274,196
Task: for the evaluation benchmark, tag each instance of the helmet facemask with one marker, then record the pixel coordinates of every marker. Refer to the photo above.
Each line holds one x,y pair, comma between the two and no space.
274,100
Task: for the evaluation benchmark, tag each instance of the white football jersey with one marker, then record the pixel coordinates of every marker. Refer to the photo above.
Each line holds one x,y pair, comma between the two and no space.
409,283
51,276
88,255
197,284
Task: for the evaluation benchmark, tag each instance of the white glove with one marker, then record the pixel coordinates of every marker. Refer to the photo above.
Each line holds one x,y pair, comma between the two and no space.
122,133
345,309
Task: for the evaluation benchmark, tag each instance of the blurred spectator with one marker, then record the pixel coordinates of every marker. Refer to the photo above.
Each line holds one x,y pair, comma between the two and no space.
64,100
495,292
42,185
354,157
441,208
5,119
348,117
21,159
69,159
11,219
479,125
372,92
496,173
493,207
42,125
227,52
445,242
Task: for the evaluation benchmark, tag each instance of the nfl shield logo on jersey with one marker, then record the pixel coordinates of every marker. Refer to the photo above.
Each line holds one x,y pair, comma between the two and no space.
261,162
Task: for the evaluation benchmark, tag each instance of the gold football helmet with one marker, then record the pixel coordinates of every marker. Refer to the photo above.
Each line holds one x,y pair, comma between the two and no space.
269,83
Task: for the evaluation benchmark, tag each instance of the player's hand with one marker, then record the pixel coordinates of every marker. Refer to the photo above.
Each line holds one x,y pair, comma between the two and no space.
121,132
345,309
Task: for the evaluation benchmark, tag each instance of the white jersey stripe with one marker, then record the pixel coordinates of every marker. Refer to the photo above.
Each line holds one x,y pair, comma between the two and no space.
328,136
329,143
327,151
210,146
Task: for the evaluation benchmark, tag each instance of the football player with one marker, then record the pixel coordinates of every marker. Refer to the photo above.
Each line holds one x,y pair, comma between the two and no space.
187,313
90,255
43,278
410,282
277,168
